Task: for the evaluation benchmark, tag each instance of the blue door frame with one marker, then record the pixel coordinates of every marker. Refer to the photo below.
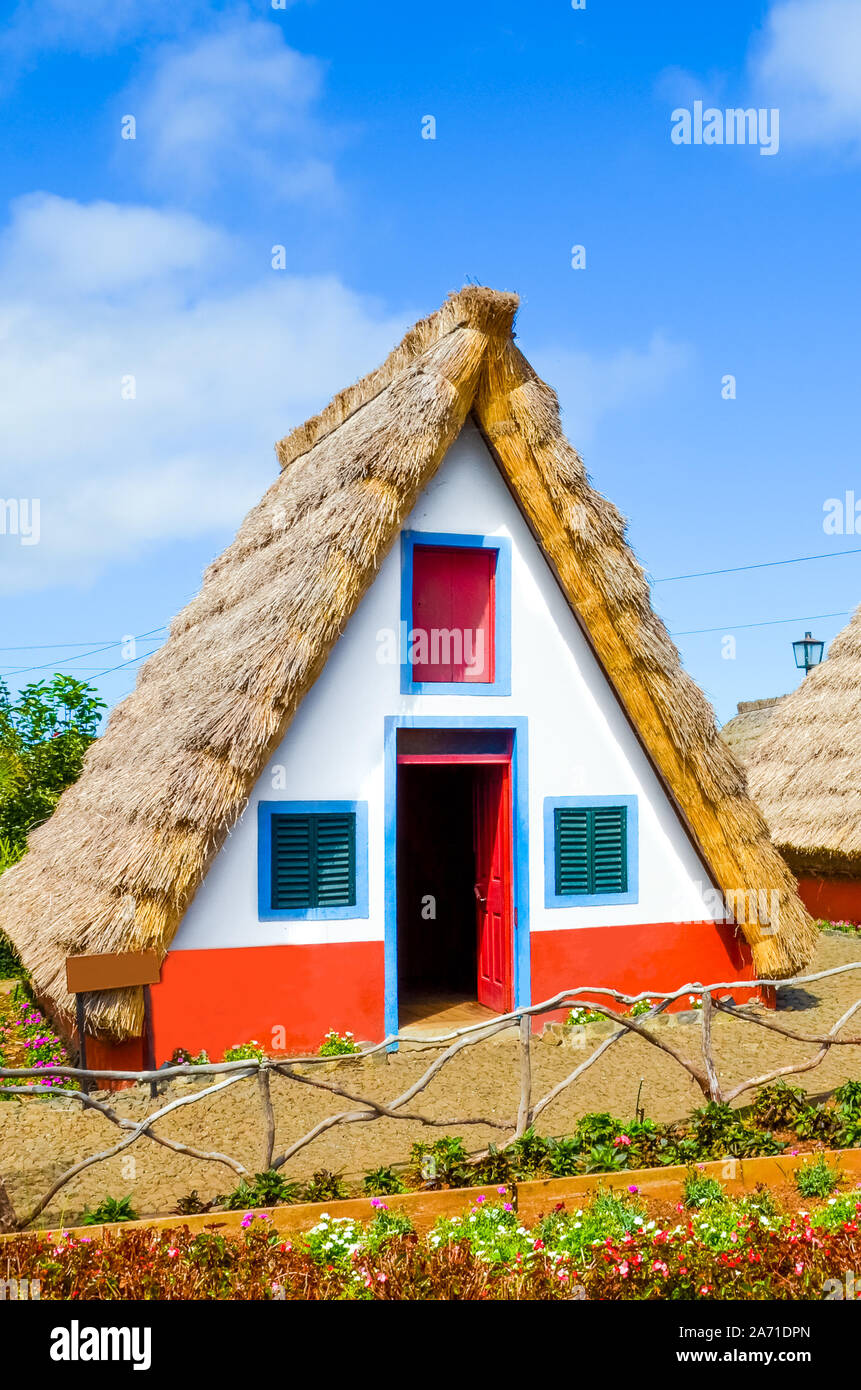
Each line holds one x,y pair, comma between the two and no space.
519,843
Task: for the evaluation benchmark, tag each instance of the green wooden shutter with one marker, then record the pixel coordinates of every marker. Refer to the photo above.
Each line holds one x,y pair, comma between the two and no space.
313,861
336,860
609,849
591,849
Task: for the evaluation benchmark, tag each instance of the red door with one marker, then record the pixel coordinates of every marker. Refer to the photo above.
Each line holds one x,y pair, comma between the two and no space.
492,834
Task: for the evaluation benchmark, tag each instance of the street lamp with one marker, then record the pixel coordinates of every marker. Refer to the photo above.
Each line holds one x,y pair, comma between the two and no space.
808,652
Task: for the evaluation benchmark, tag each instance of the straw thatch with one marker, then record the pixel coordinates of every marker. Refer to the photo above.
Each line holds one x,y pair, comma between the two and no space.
117,864
747,726
804,771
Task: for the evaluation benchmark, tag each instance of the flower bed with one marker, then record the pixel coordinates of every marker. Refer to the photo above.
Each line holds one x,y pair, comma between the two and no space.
617,1247
28,1040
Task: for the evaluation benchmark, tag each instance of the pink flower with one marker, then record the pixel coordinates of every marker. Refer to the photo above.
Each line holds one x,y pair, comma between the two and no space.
623,1269
508,1207
173,1252
633,1188
502,1191
623,1140
799,1267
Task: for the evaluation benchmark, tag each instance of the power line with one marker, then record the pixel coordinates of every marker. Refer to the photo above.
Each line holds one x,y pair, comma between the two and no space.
46,646
771,622
24,670
763,565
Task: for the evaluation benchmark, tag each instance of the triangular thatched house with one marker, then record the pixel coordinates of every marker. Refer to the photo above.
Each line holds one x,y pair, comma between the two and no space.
420,737
805,773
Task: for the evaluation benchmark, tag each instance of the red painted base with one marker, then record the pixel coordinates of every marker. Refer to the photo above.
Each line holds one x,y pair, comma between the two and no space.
287,997
125,1056
832,899
660,956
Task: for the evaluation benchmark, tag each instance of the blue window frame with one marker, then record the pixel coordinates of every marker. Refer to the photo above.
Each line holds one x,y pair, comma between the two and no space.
501,683
591,851
312,860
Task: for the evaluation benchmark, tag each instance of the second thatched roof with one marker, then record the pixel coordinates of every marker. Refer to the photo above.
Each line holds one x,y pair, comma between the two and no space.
747,727
805,770
116,866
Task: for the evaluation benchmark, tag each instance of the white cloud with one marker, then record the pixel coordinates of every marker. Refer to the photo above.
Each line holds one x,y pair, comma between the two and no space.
807,61
93,26
220,374
590,386
239,104
101,247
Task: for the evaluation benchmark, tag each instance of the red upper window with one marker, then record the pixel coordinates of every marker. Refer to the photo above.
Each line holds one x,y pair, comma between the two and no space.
453,614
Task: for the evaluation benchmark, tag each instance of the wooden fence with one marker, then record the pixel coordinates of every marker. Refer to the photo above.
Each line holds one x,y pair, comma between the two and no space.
363,1109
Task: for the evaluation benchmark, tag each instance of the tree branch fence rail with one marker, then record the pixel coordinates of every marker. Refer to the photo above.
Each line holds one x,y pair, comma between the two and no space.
365,1109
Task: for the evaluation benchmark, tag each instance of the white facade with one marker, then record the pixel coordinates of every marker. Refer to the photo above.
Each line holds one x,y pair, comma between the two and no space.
579,741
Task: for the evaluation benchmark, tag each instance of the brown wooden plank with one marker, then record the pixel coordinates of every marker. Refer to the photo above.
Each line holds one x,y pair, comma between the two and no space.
111,971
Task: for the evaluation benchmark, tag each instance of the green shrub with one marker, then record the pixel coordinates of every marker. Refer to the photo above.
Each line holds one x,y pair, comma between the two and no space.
444,1163
780,1105
324,1186
244,1052
817,1179
382,1182
10,962
268,1189
110,1209
192,1204
817,1122
702,1192
581,1013
334,1045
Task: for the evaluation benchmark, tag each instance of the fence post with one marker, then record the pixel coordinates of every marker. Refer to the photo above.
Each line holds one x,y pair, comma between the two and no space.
711,1070
8,1219
524,1113
268,1116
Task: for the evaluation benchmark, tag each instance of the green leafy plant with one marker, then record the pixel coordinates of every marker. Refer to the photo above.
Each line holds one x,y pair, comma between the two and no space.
817,1122
817,1179
192,1204
780,1105
702,1192
110,1209
244,1052
564,1158
444,1163
848,1097
10,962
324,1186
268,1189
44,734
496,1166
581,1014
642,1006
606,1158
383,1182
338,1045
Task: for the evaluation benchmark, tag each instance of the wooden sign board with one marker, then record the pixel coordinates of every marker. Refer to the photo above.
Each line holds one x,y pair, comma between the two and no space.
111,971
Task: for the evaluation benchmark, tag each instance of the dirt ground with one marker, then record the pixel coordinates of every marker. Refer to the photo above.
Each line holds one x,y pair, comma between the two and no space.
40,1139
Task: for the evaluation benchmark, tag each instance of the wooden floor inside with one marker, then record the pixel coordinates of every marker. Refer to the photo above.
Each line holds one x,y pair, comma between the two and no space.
429,1015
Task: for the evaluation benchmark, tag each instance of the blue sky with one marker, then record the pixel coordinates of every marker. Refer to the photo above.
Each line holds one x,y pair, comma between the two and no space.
151,258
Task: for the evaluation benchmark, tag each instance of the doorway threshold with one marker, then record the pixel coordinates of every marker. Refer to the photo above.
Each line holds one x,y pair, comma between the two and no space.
428,1016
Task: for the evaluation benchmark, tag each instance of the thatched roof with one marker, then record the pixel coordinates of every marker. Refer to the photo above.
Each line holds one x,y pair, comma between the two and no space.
747,726
120,859
805,771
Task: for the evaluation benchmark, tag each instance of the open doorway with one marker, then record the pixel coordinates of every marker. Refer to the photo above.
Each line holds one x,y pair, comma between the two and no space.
454,887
